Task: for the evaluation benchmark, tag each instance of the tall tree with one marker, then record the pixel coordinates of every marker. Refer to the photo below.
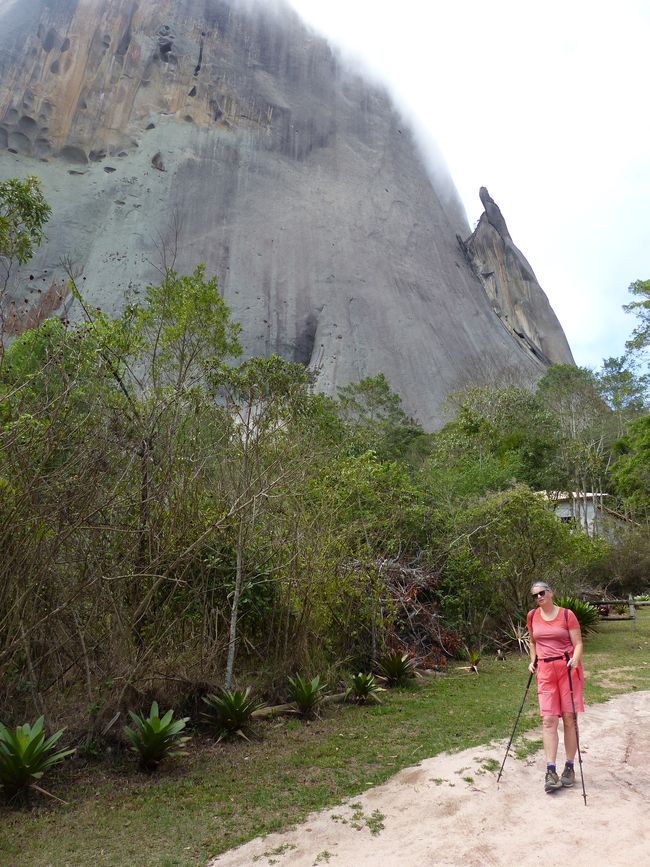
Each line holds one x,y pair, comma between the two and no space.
641,308
23,215
623,389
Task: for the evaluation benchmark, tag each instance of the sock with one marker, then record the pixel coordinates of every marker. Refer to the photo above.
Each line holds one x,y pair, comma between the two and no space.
550,767
569,765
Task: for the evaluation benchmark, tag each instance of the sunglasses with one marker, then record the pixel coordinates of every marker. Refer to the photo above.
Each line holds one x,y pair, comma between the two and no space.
541,594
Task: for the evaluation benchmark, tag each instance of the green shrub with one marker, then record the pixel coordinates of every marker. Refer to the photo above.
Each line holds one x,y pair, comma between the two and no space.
155,738
586,613
25,755
363,688
306,694
231,711
396,668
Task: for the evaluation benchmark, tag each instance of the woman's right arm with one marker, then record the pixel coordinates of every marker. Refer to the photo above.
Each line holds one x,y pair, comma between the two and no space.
531,641
533,657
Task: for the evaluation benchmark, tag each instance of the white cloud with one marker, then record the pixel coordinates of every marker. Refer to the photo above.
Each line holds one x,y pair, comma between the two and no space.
546,105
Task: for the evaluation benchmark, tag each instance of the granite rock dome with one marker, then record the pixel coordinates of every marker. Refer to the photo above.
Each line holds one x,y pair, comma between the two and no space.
229,133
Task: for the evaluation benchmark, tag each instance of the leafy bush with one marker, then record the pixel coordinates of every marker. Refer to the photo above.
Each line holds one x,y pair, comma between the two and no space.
363,688
396,668
156,737
231,712
586,613
25,755
306,694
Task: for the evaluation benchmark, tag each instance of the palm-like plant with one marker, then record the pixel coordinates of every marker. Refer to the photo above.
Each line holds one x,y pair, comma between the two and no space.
230,712
306,694
586,613
25,755
363,688
396,668
154,738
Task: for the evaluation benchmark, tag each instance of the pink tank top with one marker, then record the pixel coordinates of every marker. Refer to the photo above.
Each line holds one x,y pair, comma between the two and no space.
552,637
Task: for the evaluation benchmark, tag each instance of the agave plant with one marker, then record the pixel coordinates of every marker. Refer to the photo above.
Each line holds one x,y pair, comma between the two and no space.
396,668
231,712
155,738
306,694
25,755
363,688
586,613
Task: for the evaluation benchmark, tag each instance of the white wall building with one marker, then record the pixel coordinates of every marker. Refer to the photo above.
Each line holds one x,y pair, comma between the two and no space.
586,510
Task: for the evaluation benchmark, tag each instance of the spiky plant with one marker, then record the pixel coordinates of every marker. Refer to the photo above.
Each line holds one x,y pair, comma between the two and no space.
473,657
306,694
586,613
363,688
25,755
230,712
517,632
154,738
396,668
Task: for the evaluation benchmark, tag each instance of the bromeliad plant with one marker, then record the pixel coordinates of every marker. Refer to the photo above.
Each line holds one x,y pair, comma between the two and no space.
231,711
517,632
155,738
363,688
306,694
396,668
25,755
473,657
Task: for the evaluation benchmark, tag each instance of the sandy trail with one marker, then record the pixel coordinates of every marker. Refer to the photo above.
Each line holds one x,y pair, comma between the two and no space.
432,816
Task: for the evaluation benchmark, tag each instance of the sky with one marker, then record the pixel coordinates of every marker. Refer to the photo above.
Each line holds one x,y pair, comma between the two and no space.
545,104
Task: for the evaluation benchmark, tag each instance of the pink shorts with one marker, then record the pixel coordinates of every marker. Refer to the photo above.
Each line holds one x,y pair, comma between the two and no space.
553,688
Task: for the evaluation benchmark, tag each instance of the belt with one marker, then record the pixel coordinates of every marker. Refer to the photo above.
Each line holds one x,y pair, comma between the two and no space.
552,658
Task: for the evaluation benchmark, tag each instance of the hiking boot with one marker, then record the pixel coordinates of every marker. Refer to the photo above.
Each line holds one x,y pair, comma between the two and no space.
568,777
552,782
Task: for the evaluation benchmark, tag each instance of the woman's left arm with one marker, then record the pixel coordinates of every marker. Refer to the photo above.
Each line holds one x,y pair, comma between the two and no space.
576,641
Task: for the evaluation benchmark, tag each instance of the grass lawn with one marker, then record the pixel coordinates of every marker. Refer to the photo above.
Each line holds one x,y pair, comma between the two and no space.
222,795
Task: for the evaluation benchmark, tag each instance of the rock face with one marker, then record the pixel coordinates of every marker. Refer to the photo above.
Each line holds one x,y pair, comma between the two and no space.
226,132
511,285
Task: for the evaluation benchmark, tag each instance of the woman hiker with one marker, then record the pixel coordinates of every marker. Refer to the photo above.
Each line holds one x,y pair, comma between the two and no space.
556,646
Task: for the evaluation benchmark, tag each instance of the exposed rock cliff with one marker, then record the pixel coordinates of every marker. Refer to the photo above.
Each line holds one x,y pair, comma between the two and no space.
512,287
233,135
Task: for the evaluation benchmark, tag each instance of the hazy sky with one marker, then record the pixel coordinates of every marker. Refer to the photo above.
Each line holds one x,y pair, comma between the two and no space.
547,105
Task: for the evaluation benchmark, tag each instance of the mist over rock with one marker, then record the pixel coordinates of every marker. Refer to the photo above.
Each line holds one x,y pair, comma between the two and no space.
225,131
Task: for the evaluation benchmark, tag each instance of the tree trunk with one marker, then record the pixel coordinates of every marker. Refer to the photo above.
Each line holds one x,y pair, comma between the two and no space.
239,578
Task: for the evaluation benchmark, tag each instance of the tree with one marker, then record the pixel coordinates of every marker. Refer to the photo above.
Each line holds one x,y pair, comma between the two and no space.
641,335
622,389
499,547
374,413
262,396
23,214
631,469
500,435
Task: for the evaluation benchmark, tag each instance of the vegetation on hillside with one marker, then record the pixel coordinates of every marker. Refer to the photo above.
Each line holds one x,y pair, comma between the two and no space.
175,521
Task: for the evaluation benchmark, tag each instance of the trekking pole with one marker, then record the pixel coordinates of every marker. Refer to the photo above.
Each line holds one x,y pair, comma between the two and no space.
521,707
575,723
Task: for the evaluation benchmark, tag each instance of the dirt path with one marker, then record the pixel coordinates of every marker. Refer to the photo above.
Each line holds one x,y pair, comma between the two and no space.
448,811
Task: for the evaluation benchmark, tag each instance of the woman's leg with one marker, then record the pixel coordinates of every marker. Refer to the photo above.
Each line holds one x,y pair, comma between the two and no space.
570,742
549,733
